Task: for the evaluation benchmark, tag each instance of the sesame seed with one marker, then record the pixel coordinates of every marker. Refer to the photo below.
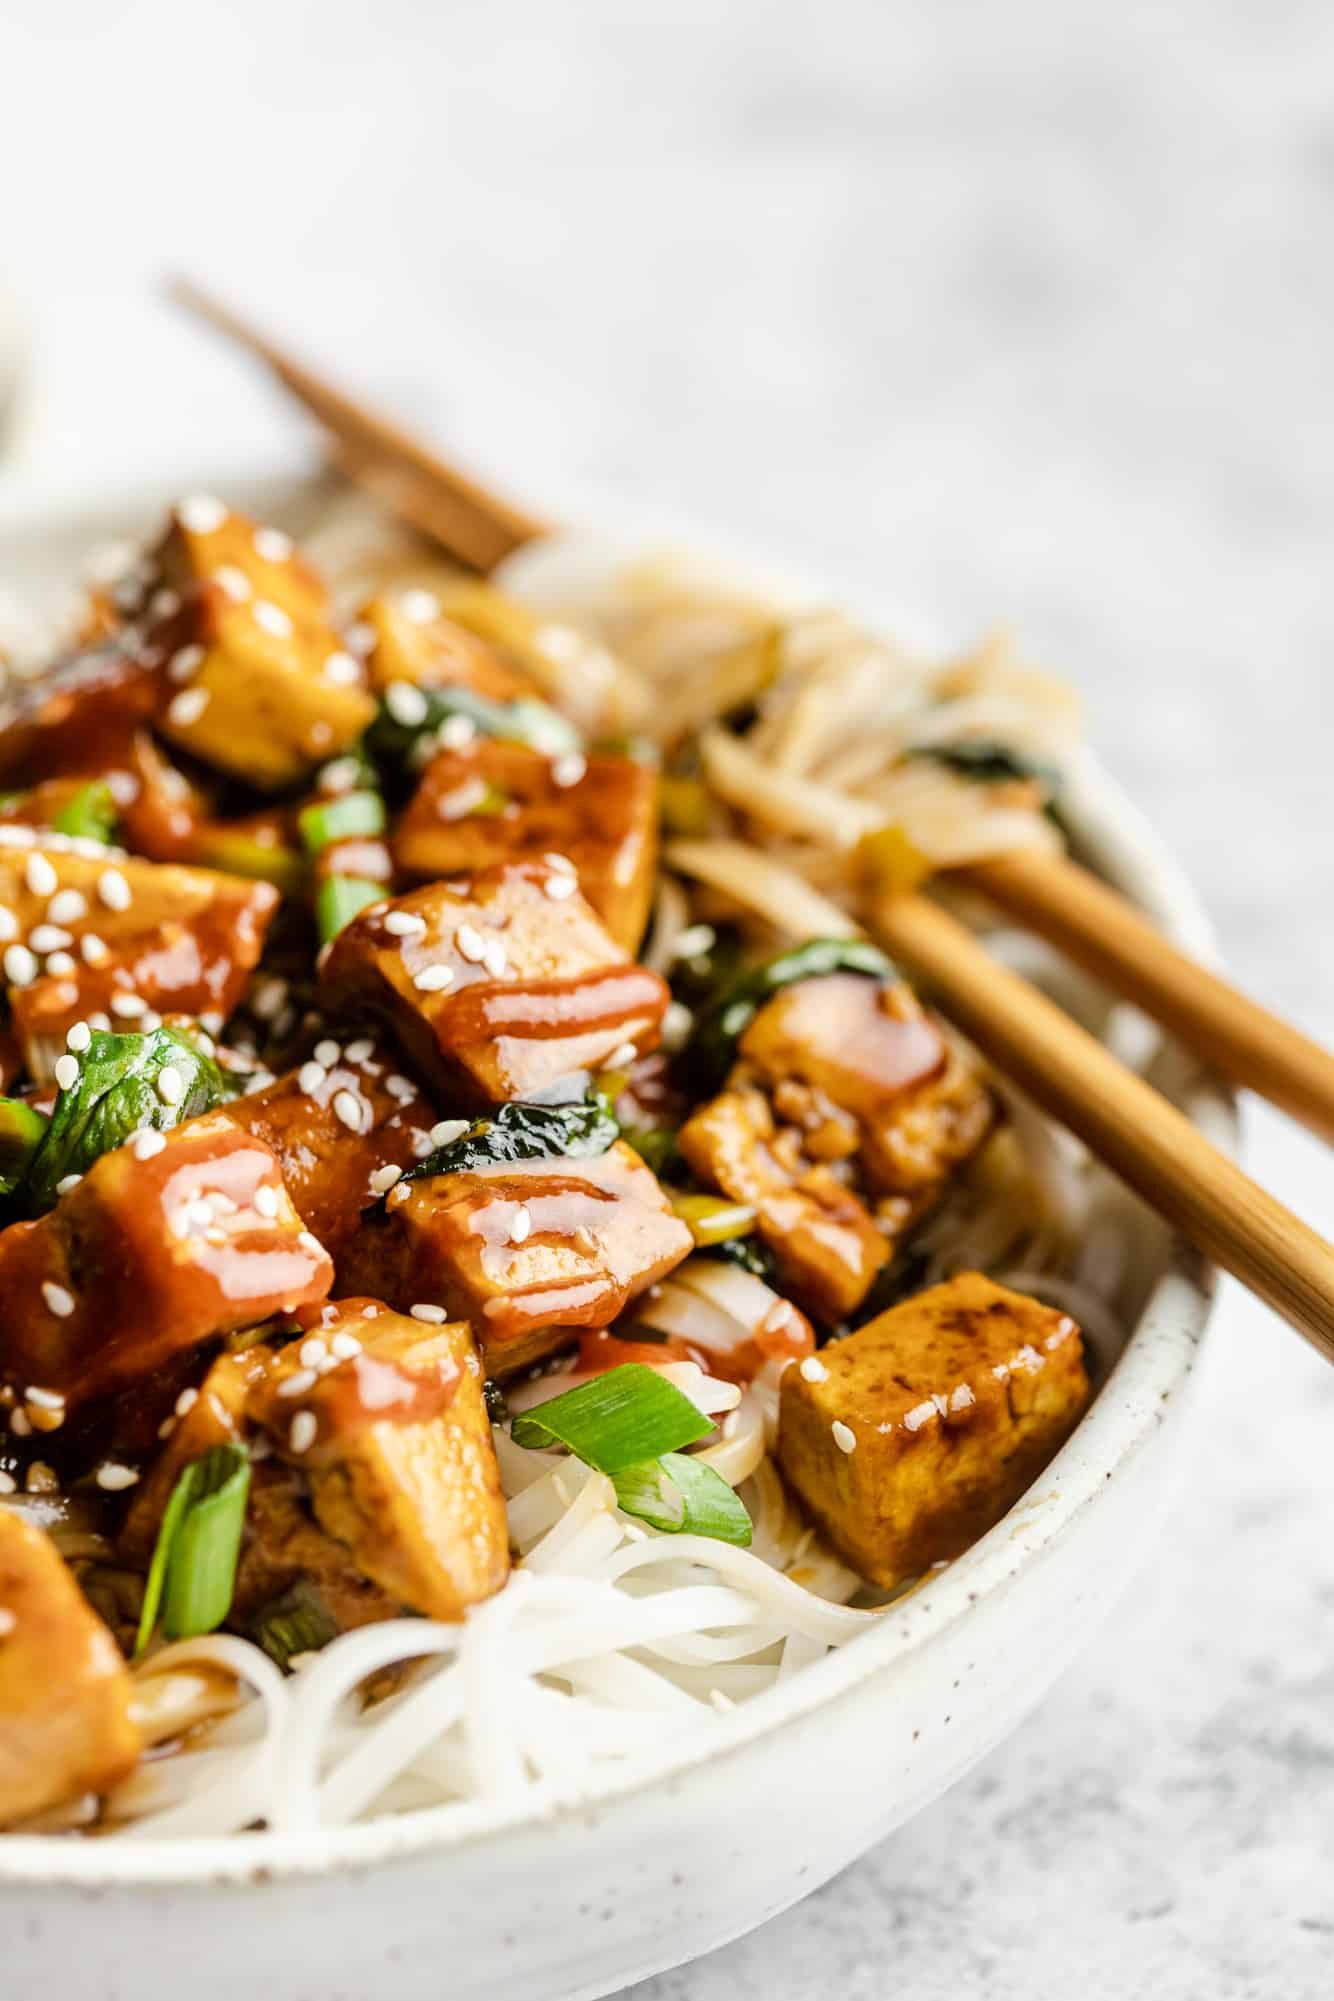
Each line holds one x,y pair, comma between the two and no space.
187,707
61,964
67,1182
350,1109
327,1052
358,1051
419,607
124,787
677,1023
845,1438
272,545
383,1178
19,1424
568,769
128,1006
113,890
42,1479
432,979
814,1370
424,1311
401,1088
67,906
235,582
312,1354
344,1346
561,863
342,670
78,1036
185,663
201,514
45,938
114,1479
406,704
626,1053
404,924
421,1146
9,924
297,1383
20,966
521,1226
200,1211
456,733
266,1202
272,618
340,775
446,1131
170,1085
40,877
67,1072
164,603
494,959
59,1299
93,950
309,1077
44,1399
186,1402
146,1144
8,1485
919,1415
302,1431
268,999
558,887
310,1242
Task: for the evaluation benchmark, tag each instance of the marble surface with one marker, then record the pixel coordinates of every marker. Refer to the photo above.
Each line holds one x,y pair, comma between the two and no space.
1019,312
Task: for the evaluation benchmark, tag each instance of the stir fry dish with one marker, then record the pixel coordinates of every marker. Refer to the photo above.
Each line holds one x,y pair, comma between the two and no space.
494,1266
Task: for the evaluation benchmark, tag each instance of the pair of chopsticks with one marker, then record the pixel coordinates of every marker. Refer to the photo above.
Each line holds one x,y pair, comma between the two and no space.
1119,1117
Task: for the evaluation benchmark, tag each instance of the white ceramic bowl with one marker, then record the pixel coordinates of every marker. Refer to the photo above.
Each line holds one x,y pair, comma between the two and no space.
685,1851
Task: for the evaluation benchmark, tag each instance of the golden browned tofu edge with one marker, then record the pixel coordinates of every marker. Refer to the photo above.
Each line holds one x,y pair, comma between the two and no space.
927,1424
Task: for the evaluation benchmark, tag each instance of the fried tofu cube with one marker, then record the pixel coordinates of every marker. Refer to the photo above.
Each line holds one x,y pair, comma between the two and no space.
872,1052
496,987
523,1250
98,932
399,1456
256,693
152,1253
910,1438
65,1722
492,802
80,717
338,1133
284,1549
823,1237
206,543
218,1415
412,640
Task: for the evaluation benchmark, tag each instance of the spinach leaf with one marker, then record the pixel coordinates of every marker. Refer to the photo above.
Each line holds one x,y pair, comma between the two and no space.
991,763
521,1131
709,1053
21,1130
405,727
119,1091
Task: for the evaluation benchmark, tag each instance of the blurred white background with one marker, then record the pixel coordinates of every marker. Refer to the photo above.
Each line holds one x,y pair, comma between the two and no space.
1016,312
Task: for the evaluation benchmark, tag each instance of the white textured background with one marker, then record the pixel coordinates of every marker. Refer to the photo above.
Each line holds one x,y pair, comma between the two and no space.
1005,310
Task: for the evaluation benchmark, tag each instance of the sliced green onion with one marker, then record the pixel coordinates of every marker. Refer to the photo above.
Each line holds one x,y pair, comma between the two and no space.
192,1576
655,1145
339,898
258,861
619,1419
711,1219
21,1132
90,814
682,1496
352,816
297,1622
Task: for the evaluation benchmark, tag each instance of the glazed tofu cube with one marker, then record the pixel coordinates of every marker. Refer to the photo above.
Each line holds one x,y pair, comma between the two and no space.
846,1044
152,1253
413,641
338,1132
496,987
255,693
284,1550
824,1238
218,1415
206,543
79,717
910,1438
492,802
65,1724
524,1250
97,932
396,1444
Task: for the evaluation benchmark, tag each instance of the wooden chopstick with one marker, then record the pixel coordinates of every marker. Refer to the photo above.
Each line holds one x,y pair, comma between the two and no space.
1052,896
433,497
1122,1119
1105,934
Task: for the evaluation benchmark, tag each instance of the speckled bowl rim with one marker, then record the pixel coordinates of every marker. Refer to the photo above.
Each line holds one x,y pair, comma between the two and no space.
1151,1373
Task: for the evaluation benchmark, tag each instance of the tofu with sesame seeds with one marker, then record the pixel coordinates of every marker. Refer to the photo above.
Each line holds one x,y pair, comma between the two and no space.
82,715
527,1250
133,937
338,1135
149,1255
205,541
214,1413
492,802
928,1423
284,1549
412,640
400,1461
494,989
66,1726
256,692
